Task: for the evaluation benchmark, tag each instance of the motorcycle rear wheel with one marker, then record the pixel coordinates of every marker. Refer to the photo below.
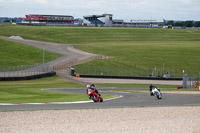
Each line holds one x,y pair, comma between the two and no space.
101,99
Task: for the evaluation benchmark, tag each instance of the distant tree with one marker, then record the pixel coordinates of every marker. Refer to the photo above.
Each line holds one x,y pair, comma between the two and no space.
7,20
171,22
179,24
188,24
197,24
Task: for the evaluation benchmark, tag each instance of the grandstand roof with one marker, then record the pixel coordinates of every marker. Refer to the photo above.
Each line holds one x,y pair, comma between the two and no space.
49,15
97,16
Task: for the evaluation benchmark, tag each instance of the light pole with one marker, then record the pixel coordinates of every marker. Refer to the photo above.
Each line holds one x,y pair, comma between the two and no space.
163,68
43,59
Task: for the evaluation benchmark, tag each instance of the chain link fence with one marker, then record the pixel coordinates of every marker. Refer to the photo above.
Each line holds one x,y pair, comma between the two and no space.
24,70
191,82
31,70
134,72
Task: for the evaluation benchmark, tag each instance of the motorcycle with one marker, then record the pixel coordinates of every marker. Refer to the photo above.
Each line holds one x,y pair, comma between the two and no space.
94,96
156,92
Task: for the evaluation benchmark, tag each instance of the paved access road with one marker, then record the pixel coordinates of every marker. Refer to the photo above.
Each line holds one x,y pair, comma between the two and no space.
70,55
127,100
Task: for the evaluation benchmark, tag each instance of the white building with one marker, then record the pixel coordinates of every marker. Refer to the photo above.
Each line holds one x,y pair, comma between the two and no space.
104,20
145,23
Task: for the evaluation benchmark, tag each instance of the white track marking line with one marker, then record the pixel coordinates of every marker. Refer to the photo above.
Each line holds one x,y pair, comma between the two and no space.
113,98
56,102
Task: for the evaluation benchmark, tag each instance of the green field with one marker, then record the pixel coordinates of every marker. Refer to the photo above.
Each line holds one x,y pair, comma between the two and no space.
16,54
31,91
132,49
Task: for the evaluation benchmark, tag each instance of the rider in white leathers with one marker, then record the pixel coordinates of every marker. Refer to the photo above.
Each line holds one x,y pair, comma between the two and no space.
151,87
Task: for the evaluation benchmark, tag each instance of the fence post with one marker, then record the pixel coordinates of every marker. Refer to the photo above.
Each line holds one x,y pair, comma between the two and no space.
17,70
9,71
25,71
161,73
4,72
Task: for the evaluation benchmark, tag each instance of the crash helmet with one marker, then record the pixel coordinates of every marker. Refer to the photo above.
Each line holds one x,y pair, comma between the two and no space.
88,86
92,86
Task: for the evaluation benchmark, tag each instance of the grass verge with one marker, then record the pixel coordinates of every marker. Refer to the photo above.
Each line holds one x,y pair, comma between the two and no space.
16,54
139,87
142,86
31,91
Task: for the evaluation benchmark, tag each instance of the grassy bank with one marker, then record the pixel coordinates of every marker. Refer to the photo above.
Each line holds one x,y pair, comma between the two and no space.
15,54
131,48
32,91
88,35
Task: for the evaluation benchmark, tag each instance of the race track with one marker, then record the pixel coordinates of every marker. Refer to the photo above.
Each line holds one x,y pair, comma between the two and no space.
127,100
71,55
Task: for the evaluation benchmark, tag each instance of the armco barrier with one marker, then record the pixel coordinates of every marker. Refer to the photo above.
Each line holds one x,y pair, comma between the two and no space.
48,74
127,77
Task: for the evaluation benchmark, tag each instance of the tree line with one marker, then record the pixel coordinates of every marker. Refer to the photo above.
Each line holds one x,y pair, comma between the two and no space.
183,23
7,19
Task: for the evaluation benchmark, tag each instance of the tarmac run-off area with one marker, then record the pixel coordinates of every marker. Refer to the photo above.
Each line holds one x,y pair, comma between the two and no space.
131,113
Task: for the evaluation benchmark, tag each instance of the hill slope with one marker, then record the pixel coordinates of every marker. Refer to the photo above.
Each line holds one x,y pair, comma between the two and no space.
131,48
15,54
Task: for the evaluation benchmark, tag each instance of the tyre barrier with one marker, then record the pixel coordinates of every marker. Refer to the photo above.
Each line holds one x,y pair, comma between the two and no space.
43,75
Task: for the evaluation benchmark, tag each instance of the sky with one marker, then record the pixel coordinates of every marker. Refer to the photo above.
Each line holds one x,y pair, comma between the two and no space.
121,9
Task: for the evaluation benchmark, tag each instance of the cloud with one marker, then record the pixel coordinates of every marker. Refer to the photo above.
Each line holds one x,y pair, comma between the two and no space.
126,9
41,1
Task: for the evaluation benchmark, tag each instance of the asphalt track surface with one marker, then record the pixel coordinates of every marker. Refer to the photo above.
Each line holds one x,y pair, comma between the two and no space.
127,100
71,55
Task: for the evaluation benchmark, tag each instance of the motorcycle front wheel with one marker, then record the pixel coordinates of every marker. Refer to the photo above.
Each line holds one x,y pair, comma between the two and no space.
93,98
159,96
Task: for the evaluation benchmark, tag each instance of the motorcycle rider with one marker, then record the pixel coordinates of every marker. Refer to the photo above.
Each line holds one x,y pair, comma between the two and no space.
152,87
92,86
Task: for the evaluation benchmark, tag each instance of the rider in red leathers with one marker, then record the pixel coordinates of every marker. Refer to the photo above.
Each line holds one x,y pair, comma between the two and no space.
92,86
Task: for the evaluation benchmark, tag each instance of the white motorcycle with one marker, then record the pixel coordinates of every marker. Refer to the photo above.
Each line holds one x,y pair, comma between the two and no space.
156,92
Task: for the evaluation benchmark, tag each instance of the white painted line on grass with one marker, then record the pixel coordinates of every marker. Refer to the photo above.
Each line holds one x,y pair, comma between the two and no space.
57,102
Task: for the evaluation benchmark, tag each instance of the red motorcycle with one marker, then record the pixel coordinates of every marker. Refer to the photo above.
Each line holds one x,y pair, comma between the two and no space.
94,96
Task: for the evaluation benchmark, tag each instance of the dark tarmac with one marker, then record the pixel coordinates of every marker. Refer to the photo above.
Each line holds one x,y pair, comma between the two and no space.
127,100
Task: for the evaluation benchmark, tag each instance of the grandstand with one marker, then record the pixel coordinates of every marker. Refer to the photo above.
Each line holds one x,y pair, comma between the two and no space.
104,20
37,19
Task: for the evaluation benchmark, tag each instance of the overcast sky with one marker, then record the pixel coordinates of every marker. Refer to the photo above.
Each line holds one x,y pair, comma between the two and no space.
121,9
